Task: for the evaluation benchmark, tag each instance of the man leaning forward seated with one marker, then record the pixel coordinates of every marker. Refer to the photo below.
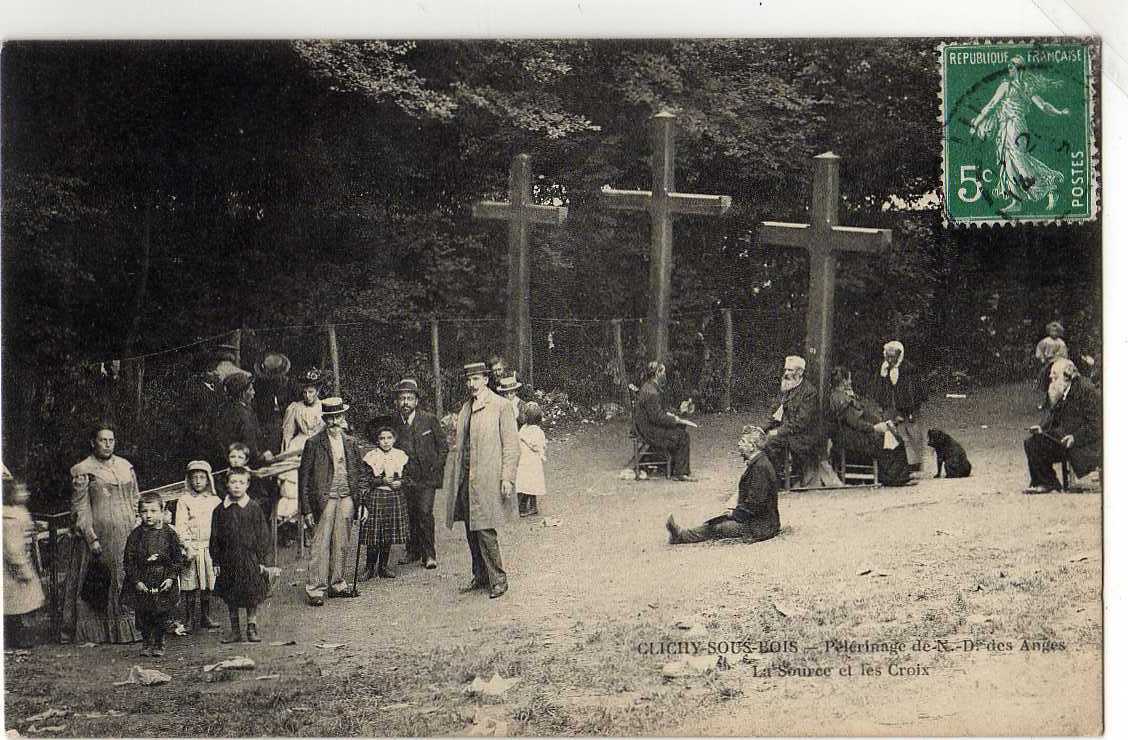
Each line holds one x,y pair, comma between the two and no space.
755,513
1070,429
858,431
795,425
659,428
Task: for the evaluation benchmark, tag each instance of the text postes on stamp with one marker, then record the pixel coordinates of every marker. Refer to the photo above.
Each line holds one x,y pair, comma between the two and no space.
1018,132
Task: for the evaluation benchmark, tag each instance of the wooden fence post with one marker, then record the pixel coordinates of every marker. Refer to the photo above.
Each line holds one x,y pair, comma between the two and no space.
617,333
334,358
237,340
436,367
727,400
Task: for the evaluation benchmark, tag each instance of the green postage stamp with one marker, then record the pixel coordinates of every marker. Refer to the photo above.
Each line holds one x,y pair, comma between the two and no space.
1018,132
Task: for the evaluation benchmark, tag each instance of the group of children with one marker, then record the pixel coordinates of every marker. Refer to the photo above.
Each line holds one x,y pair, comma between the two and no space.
219,546
220,542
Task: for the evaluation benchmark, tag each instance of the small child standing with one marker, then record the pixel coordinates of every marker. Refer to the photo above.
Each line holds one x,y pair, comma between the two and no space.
193,524
154,557
383,504
1052,347
240,547
23,592
239,456
530,466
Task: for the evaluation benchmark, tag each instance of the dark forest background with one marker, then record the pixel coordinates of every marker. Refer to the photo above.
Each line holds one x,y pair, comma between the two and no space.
155,194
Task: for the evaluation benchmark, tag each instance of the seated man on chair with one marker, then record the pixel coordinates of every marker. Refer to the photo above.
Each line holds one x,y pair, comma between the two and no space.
1070,429
859,432
755,513
795,426
659,428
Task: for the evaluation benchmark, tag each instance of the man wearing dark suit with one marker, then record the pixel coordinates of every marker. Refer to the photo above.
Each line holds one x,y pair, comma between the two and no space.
1070,430
329,490
419,435
754,515
796,425
661,429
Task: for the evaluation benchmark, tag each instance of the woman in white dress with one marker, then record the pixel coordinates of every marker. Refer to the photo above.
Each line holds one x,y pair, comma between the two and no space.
302,421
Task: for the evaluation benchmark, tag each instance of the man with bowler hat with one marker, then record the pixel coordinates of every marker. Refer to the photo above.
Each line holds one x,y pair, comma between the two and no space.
329,488
419,435
479,484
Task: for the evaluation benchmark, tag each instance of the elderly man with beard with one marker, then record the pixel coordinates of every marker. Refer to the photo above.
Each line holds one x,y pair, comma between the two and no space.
1070,429
795,425
754,515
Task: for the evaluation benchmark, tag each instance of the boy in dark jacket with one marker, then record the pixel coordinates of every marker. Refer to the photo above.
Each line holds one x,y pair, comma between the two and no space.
154,557
240,549
755,516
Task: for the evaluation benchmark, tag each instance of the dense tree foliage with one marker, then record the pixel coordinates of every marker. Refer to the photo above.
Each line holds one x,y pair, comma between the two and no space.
159,193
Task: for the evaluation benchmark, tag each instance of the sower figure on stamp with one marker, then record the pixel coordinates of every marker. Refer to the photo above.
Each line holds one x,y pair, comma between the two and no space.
1070,429
754,515
419,434
329,482
661,429
479,481
795,426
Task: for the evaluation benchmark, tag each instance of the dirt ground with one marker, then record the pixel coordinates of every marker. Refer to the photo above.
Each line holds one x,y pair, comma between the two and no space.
593,597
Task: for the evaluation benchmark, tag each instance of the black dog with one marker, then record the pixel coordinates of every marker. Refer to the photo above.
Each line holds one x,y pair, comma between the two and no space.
950,455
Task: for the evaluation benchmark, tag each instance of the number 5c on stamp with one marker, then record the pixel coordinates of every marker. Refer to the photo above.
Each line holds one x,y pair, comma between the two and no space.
1018,132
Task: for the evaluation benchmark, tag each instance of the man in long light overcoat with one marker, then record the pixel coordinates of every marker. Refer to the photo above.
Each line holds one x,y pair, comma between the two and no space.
479,477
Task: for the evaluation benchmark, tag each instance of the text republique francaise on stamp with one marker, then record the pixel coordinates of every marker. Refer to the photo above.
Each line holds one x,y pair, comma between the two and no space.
1018,132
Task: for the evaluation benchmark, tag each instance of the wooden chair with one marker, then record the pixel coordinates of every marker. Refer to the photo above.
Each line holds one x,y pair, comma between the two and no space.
1065,475
645,457
864,474
791,477
648,458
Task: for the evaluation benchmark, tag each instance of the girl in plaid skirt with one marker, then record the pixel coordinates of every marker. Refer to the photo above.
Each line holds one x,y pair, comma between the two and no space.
386,511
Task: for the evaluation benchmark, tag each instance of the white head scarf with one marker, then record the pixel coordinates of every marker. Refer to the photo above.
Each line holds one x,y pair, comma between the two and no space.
893,371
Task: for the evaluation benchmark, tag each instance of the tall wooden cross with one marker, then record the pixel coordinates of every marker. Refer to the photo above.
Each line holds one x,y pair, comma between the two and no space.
823,238
520,211
664,204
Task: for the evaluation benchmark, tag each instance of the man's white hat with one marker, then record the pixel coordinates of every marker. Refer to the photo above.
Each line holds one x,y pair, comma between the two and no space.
794,361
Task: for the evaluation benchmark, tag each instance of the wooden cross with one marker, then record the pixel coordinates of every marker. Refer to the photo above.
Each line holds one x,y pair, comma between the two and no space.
664,204
520,211
823,238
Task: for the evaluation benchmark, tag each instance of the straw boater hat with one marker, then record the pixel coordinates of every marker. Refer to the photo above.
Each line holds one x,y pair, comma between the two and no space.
202,465
273,365
508,384
333,406
407,385
475,368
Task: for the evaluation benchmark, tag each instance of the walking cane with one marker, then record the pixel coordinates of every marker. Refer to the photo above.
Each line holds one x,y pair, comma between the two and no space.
356,565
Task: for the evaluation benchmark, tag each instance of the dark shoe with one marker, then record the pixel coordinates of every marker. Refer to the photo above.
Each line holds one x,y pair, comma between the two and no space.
1040,489
473,585
532,508
369,572
385,573
252,633
157,651
233,635
672,528
408,559
208,623
315,601
499,589
430,564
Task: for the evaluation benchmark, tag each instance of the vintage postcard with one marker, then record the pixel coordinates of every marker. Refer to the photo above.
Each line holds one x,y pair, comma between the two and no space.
527,387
